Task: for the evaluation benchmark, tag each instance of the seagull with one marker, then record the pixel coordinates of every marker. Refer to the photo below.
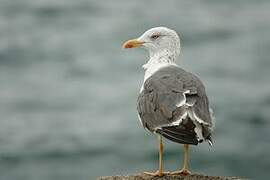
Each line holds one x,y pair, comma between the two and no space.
172,102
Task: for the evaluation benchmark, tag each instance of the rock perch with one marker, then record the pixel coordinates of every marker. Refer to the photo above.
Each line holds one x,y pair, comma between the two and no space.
169,177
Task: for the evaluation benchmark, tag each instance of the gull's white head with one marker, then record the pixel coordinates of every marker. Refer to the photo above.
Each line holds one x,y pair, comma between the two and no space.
159,41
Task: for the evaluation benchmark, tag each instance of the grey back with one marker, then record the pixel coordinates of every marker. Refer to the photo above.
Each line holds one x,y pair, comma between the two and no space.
166,97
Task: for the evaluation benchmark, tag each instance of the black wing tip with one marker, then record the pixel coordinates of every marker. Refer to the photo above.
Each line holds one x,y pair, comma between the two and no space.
178,137
182,136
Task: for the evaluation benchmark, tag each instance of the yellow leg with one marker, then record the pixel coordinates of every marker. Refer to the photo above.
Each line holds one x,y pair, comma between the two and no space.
185,170
160,171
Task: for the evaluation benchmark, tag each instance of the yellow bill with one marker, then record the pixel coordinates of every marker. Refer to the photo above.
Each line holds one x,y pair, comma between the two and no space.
133,43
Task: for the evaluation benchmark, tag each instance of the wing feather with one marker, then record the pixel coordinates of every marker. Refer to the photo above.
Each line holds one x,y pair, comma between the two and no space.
165,99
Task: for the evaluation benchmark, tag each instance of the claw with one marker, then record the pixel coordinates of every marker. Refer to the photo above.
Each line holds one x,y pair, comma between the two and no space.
157,173
183,172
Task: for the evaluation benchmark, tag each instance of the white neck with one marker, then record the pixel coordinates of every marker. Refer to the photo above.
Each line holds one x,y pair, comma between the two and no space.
158,61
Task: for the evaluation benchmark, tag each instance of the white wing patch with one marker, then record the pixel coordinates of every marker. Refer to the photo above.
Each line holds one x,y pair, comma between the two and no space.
194,117
198,122
198,131
178,121
183,102
174,123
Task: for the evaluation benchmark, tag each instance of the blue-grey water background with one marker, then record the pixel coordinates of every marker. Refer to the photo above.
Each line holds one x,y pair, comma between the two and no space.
68,91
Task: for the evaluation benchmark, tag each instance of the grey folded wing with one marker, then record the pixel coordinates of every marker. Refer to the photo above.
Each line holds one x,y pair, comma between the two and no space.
170,96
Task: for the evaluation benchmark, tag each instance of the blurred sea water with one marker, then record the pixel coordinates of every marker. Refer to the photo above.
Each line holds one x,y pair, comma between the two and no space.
68,91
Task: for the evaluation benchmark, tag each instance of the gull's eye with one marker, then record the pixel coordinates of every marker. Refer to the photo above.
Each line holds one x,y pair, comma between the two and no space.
155,36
